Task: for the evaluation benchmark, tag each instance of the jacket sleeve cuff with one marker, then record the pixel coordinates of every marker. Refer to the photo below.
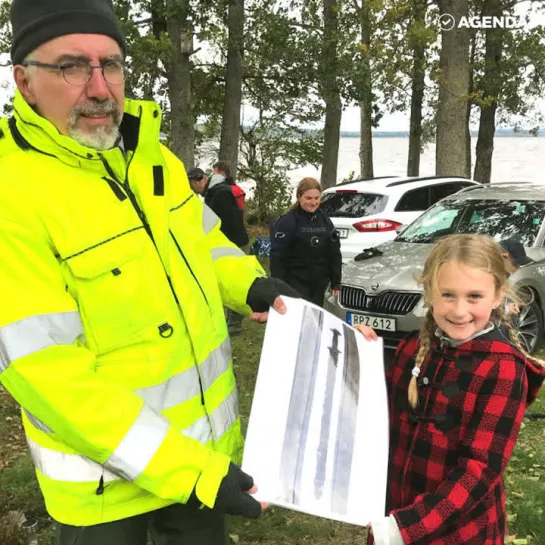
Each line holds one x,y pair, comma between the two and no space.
386,532
210,479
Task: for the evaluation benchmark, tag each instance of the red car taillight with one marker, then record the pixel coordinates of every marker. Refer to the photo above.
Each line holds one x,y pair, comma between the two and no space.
374,226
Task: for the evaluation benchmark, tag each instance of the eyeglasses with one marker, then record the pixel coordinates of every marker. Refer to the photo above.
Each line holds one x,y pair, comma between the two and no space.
80,72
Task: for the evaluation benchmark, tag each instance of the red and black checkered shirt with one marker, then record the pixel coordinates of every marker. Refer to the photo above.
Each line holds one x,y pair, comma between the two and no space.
447,456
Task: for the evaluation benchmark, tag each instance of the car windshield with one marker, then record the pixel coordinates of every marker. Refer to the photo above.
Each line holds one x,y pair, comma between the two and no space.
500,219
351,204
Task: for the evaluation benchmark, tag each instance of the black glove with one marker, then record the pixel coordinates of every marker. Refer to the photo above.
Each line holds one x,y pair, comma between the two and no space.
264,291
233,497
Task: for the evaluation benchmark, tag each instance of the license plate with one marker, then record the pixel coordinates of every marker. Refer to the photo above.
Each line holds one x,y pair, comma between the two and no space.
343,233
376,322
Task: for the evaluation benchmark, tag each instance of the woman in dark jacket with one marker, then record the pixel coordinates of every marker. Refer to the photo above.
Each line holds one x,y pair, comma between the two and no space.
305,247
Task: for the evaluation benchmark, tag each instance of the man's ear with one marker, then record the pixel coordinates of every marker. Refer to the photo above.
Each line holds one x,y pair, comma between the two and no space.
22,80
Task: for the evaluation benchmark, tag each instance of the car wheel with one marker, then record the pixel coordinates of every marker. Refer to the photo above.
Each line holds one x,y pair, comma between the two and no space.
530,326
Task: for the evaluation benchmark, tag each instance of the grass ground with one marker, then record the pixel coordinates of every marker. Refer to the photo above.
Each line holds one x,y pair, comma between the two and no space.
525,478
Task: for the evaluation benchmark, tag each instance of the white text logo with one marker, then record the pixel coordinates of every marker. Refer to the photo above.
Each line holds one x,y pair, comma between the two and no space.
447,22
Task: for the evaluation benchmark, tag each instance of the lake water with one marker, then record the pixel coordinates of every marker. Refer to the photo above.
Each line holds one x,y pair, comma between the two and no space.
516,158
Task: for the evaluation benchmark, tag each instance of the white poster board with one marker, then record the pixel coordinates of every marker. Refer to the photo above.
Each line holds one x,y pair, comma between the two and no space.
317,439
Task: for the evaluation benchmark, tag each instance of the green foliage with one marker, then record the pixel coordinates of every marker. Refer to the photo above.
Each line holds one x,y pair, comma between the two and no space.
350,178
269,150
5,29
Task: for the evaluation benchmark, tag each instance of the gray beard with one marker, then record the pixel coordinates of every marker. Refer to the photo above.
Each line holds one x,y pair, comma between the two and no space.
101,139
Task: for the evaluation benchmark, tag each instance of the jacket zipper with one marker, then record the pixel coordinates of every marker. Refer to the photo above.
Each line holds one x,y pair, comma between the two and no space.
187,264
139,212
126,187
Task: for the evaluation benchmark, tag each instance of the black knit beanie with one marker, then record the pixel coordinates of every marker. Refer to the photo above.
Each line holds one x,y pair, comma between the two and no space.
35,22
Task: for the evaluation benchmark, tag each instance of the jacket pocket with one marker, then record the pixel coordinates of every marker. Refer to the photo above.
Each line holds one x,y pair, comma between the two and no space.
113,284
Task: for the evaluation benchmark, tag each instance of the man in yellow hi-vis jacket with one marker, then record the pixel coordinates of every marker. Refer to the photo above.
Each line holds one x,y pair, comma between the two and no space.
113,280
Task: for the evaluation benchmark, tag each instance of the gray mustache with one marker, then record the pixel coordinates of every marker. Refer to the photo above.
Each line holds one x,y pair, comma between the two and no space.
106,108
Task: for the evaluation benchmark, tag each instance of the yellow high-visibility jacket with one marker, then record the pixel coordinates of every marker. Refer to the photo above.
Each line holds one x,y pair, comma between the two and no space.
113,278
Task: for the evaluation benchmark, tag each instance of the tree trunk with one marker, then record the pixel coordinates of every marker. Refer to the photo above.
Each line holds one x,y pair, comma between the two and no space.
331,96
417,92
492,83
451,145
179,82
366,103
230,126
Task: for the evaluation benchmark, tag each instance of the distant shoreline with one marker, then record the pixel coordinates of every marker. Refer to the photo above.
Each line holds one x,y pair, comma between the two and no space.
501,133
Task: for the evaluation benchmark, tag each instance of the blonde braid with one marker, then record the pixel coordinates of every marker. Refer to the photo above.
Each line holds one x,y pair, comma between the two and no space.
514,336
426,333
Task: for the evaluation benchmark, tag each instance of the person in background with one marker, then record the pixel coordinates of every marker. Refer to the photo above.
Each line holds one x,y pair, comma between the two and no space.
222,168
198,180
219,197
113,281
514,254
515,257
305,247
458,391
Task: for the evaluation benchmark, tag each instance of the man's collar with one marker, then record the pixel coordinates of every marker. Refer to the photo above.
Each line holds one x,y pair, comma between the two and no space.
44,136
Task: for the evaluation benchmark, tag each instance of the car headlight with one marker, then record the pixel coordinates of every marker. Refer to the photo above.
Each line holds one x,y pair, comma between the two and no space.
420,309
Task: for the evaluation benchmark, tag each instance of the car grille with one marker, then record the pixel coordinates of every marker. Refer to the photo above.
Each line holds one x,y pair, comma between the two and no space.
388,302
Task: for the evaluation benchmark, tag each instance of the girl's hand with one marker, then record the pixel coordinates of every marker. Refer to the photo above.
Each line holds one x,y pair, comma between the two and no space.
368,332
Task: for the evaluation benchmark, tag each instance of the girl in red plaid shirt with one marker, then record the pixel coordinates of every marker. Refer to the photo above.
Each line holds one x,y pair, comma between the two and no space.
457,395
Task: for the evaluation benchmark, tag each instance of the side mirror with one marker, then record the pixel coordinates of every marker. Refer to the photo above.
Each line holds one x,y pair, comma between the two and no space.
401,228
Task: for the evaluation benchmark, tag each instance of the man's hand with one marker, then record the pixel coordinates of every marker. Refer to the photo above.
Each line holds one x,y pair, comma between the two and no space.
265,293
234,495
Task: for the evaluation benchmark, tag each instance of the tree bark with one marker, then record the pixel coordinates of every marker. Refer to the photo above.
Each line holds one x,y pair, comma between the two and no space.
491,86
366,103
451,145
230,126
417,92
179,81
331,96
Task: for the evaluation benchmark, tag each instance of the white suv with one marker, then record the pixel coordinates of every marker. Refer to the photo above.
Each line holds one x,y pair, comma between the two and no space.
367,213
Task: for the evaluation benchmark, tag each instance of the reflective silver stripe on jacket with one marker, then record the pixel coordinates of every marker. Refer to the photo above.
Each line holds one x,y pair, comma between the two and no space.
185,385
63,467
226,251
38,424
35,333
209,219
216,424
179,388
139,445
135,451
129,460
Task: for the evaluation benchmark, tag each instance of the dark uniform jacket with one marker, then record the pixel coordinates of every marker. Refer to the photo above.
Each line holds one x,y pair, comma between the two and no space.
447,456
219,197
305,249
